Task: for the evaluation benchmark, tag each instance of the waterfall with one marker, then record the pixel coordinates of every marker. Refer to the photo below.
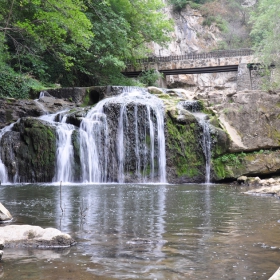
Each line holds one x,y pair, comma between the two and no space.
94,145
64,152
39,104
206,146
134,147
64,146
121,139
3,169
195,107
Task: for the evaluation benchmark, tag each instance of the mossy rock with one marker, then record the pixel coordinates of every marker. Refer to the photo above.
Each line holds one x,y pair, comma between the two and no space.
185,159
37,150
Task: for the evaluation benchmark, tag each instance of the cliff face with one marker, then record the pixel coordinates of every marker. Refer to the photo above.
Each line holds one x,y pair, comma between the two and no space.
191,35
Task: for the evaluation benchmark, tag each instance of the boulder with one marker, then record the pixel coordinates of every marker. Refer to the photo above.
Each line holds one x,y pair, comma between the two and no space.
251,118
276,275
35,237
2,244
4,216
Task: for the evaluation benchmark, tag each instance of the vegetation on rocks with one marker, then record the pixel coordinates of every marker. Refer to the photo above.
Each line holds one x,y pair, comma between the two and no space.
36,150
184,154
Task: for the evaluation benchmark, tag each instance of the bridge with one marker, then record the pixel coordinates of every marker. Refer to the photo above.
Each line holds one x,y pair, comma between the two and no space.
199,63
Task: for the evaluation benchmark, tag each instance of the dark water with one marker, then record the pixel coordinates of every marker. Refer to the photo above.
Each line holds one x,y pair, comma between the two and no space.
146,232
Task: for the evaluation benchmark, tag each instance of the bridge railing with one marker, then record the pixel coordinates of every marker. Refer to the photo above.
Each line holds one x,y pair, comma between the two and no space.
193,56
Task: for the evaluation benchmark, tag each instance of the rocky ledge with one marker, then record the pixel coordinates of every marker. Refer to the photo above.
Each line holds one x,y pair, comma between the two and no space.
23,236
270,187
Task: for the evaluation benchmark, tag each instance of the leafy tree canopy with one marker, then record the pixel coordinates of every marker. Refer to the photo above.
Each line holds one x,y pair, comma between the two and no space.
266,35
78,42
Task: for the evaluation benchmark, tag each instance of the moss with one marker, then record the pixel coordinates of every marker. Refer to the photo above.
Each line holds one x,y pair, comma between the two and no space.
77,159
37,150
9,115
184,150
275,135
230,165
86,99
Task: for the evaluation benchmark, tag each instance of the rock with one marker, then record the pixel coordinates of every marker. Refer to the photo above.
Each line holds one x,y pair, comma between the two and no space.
2,244
4,216
155,90
29,151
271,181
252,120
253,181
34,236
1,254
242,179
276,275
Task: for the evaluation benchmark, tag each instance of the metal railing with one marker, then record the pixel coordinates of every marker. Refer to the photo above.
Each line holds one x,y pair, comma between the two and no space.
193,56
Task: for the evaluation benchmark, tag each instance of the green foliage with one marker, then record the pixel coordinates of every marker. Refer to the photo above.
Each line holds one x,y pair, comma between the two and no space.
16,85
266,38
149,77
183,149
78,42
224,165
178,5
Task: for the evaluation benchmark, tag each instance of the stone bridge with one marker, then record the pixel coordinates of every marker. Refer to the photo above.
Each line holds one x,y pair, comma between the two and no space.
240,61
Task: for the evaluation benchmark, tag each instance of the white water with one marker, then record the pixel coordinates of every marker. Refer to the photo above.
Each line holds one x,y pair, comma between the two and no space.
97,153
3,169
64,146
39,104
64,152
93,145
206,144
194,107
110,145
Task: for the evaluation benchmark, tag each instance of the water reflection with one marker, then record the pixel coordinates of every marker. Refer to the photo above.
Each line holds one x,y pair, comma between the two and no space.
151,231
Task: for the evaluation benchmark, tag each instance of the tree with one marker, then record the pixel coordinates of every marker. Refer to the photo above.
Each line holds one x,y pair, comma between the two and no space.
32,27
78,42
266,34
122,30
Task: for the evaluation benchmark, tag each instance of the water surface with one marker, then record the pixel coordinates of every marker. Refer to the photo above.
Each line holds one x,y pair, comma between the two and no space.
146,232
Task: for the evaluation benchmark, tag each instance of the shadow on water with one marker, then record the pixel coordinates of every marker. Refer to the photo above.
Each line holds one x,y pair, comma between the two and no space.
146,232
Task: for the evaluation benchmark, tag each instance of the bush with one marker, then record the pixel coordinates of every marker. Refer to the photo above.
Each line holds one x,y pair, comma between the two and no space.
149,77
16,85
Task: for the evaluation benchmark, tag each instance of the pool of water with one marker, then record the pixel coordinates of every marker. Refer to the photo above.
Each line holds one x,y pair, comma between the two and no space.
146,232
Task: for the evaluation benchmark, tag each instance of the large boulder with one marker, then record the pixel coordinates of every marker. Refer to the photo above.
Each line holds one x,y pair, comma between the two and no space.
34,236
5,215
252,119
29,151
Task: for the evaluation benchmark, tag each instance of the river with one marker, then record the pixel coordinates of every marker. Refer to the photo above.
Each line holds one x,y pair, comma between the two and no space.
141,231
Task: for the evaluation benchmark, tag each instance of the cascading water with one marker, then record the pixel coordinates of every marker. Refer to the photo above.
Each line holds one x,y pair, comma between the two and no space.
206,146
64,146
134,147
3,169
64,152
194,107
40,105
121,140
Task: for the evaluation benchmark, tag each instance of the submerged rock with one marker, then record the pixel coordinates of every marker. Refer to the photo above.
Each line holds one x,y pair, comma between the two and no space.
35,237
5,215
2,244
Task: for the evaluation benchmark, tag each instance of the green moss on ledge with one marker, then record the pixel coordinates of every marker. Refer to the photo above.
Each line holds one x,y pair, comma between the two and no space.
184,154
37,150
